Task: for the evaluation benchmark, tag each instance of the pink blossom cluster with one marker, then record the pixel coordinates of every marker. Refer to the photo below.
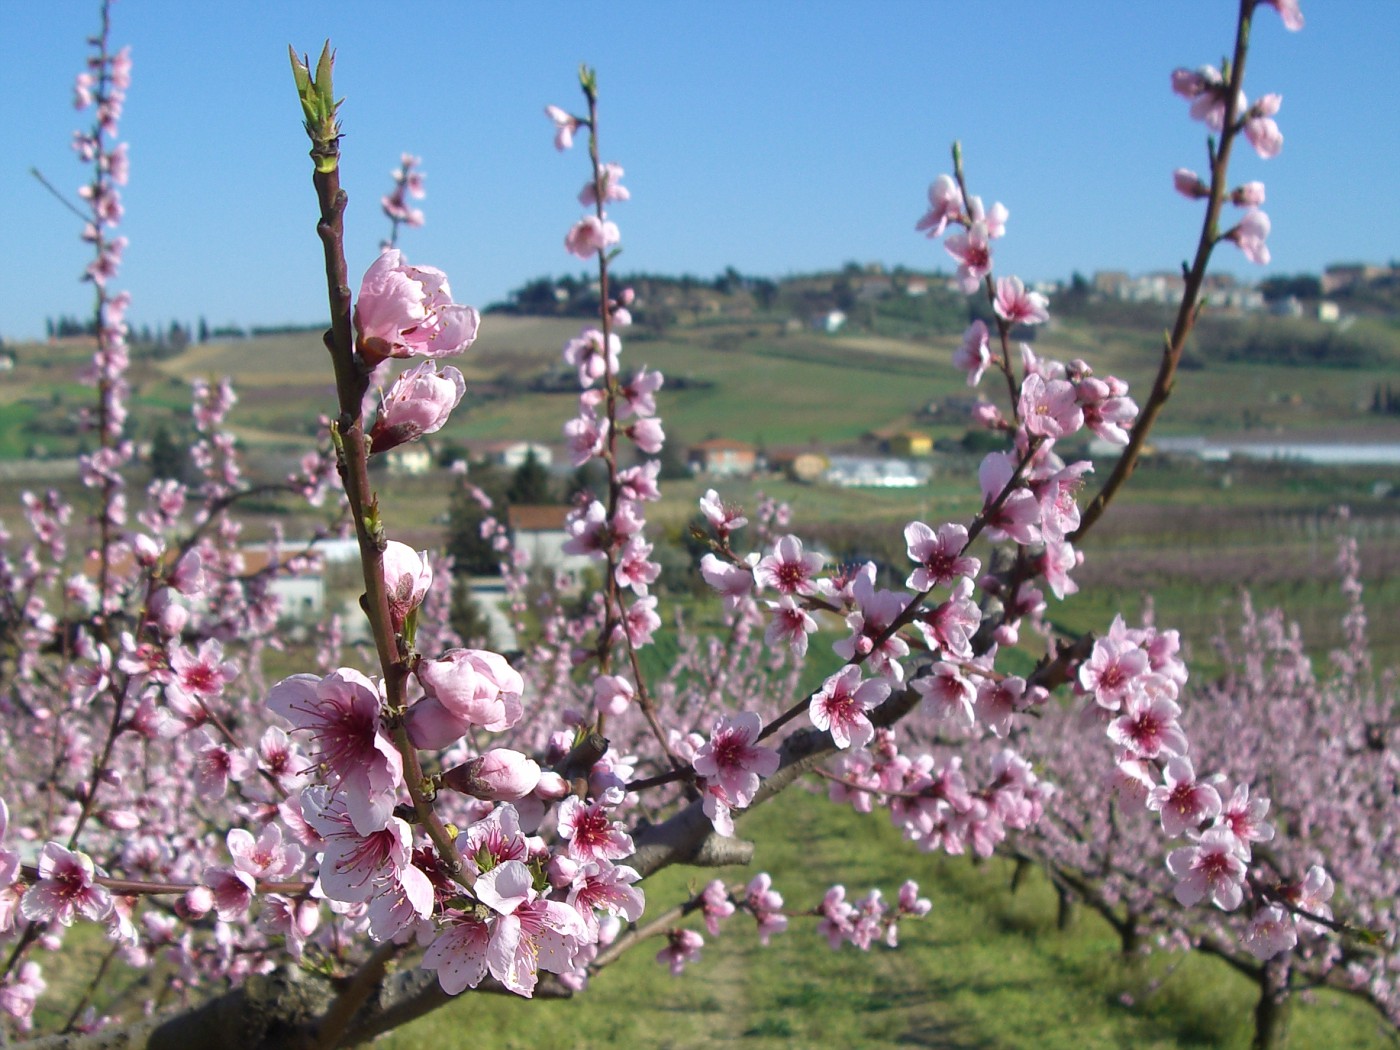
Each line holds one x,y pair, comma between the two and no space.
863,923
372,861
1229,113
1315,739
972,246
934,803
408,183
134,697
870,919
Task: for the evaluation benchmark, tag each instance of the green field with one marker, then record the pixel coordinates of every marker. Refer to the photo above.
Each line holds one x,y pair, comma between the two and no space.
985,969
749,380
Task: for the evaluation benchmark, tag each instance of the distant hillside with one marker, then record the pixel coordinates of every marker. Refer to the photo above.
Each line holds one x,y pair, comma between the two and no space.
821,357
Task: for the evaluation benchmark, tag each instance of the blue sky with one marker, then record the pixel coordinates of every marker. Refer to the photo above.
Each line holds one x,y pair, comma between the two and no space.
776,137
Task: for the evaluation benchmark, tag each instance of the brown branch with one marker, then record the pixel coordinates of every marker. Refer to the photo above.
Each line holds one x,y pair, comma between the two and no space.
1195,277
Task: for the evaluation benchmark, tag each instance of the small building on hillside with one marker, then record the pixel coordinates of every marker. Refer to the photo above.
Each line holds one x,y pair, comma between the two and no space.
512,454
538,529
804,464
300,591
828,321
413,459
905,442
877,472
722,457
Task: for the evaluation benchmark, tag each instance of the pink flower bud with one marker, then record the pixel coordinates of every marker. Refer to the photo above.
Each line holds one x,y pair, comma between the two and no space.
612,694
407,577
1189,184
198,902
1250,195
169,615
561,871
552,786
419,402
500,775
1250,234
188,577
146,549
432,726
476,686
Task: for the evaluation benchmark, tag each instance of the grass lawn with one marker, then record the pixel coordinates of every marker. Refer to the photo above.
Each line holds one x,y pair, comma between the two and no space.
985,969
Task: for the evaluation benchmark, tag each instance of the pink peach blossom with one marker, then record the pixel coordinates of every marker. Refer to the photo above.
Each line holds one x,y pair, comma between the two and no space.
590,833
529,932
341,712
974,354
65,889
841,703
734,758
945,205
591,235
788,569
1270,932
682,947
564,127
938,555
610,175
419,402
974,255
1209,868
1015,305
1186,802
407,311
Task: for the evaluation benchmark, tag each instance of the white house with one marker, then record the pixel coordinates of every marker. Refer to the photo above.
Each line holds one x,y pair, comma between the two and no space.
877,472
513,454
410,459
538,529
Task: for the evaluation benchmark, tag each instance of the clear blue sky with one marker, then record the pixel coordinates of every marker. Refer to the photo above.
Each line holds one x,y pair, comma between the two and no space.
776,137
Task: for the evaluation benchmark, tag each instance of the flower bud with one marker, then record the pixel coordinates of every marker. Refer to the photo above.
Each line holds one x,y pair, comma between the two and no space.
418,403
500,775
476,686
407,577
432,727
195,904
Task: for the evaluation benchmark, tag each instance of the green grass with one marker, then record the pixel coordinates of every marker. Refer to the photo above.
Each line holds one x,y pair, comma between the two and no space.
15,432
985,969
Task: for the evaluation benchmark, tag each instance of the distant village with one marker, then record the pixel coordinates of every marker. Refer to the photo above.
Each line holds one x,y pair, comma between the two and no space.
866,298
865,295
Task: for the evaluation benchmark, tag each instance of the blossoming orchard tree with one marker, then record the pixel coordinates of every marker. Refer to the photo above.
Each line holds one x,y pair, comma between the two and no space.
1322,748
313,861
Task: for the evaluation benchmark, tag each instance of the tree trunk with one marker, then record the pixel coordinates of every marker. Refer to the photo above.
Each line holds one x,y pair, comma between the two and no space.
1128,935
1018,874
1272,1010
1064,910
